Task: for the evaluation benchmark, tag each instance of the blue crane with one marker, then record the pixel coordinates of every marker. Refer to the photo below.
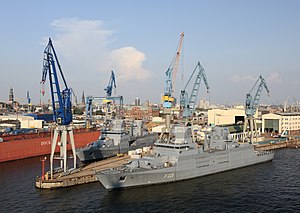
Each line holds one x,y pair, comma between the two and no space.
111,84
170,77
62,108
188,103
28,98
28,101
61,98
251,106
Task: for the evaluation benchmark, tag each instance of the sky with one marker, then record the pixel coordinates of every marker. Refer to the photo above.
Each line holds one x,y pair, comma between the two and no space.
235,41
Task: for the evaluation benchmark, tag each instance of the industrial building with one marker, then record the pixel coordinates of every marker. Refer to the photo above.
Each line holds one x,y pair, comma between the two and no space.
281,122
227,116
141,112
269,123
25,121
233,118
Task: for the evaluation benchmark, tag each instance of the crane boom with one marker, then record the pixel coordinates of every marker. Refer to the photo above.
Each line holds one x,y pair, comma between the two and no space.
170,77
188,104
61,99
201,75
111,84
252,103
176,62
28,97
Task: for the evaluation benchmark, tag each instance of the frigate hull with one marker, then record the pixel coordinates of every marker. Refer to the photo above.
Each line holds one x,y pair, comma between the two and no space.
120,180
186,168
89,154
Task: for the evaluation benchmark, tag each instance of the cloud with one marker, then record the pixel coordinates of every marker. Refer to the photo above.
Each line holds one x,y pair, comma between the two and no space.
296,83
84,44
130,61
273,77
242,78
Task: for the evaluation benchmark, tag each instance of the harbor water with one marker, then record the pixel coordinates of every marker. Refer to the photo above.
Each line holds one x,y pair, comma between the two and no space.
268,187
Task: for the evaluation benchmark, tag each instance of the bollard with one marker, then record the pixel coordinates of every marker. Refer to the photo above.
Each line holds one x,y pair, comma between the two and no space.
43,167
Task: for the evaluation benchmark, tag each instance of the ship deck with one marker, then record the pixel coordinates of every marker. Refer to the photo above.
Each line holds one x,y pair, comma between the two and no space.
80,176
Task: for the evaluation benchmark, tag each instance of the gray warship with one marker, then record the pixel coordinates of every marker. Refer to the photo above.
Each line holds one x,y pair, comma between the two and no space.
176,157
116,140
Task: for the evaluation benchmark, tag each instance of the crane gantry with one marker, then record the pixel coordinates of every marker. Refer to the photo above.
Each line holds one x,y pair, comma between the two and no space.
108,99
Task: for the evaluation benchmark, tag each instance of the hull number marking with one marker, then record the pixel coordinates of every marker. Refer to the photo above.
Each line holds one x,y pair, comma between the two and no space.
169,175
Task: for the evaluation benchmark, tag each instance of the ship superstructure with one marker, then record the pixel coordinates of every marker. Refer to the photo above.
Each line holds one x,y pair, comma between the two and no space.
117,140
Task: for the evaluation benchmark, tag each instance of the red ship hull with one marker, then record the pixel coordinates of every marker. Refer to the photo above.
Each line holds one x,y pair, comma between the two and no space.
22,146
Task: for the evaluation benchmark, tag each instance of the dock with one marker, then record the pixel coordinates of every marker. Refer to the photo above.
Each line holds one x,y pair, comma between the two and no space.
79,176
294,143
86,174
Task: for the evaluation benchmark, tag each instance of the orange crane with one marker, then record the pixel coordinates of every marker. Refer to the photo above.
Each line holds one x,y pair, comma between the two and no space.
170,77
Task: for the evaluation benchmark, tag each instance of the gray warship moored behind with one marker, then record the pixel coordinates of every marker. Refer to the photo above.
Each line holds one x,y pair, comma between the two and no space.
176,157
116,140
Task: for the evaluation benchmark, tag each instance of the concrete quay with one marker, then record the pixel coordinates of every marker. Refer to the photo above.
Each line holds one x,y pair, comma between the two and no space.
294,143
81,175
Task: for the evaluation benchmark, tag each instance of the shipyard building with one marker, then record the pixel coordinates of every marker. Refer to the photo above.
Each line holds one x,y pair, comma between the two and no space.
281,122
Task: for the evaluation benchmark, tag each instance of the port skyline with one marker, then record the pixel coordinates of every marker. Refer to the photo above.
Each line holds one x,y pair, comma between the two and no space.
236,42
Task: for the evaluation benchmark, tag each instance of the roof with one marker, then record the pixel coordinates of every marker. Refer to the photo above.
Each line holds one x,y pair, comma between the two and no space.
234,128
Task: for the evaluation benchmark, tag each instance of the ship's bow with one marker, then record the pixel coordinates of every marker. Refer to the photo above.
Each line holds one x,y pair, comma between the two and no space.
109,181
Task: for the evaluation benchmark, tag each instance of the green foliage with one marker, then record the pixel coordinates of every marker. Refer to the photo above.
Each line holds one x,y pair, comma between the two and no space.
78,111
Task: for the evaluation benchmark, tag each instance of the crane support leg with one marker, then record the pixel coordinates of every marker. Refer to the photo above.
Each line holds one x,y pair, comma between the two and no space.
167,113
73,146
251,129
62,131
64,148
255,129
53,145
246,130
